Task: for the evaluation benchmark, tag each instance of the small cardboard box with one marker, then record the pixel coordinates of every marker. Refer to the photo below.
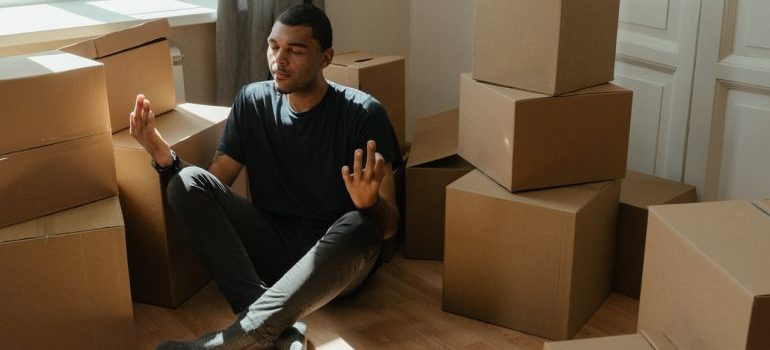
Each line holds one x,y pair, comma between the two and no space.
526,141
380,76
539,262
41,105
44,180
637,192
642,341
548,46
433,164
136,60
65,281
706,278
164,269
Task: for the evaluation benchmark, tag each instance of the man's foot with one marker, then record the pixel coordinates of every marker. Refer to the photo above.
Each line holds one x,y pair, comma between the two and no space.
292,338
232,338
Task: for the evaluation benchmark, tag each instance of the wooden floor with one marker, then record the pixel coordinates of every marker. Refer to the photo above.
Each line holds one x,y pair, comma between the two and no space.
400,308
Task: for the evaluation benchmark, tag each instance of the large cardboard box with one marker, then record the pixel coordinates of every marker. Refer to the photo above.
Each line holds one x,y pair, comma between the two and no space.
539,262
641,341
43,180
706,279
64,281
41,105
378,75
136,60
525,140
433,164
548,46
637,192
164,269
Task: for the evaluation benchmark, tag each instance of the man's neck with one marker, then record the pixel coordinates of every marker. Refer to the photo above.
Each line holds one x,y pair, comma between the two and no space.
303,101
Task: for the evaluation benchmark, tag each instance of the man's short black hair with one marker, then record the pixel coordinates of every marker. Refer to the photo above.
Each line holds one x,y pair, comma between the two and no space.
311,16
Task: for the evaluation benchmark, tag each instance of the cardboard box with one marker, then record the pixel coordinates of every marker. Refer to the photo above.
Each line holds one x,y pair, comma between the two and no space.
433,164
706,279
637,192
164,269
65,281
642,341
539,262
40,105
136,60
380,76
525,140
47,179
549,46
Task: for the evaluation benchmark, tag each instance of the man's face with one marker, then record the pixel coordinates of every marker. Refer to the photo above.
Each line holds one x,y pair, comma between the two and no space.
295,57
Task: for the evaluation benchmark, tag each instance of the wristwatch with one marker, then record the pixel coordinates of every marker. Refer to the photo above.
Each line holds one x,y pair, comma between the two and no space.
172,168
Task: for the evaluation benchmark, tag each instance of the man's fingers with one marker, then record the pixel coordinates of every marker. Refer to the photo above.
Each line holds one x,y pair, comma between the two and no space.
151,121
346,176
145,113
135,118
369,170
358,165
131,123
379,168
139,105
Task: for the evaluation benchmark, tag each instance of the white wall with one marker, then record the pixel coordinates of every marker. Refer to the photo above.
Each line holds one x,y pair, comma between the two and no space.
440,47
435,36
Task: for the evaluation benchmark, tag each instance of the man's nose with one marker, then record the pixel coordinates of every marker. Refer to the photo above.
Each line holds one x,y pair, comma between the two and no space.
281,57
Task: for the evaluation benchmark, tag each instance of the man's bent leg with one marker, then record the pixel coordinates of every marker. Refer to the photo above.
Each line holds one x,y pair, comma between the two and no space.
341,258
345,253
214,219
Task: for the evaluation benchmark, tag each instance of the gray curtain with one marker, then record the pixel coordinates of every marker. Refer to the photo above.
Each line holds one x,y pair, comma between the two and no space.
241,42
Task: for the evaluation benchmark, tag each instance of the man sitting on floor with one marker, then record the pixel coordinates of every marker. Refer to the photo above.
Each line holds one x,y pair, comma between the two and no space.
314,228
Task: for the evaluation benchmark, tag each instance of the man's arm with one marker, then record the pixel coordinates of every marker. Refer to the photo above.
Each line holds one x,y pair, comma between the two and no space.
142,128
385,212
225,168
372,189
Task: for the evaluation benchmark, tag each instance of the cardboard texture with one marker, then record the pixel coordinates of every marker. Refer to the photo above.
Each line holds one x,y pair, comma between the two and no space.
706,279
637,192
525,140
551,46
433,164
642,341
40,106
47,179
136,60
378,75
65,281
164,269
539,262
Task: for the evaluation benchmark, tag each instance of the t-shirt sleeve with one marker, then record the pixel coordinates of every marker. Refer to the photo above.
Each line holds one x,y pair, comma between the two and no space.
231,142
377,127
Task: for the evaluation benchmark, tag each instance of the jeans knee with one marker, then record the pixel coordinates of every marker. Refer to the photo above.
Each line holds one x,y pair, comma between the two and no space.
181,185
359,228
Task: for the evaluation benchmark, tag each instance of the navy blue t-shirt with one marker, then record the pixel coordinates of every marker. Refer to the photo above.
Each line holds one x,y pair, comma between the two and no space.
293,159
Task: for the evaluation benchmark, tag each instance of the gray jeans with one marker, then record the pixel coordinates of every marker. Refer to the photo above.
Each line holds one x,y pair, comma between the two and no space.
281,269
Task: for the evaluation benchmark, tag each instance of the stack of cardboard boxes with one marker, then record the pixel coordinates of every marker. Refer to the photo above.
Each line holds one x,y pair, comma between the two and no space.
706,279
163,268
62,243
530,235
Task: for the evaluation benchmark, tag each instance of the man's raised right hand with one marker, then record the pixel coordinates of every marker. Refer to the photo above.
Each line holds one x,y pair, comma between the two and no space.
142,128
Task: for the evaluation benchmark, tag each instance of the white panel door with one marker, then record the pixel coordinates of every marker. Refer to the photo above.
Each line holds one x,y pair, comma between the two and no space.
655,58
728,153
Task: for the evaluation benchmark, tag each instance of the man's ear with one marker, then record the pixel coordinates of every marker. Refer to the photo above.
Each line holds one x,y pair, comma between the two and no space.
326,57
